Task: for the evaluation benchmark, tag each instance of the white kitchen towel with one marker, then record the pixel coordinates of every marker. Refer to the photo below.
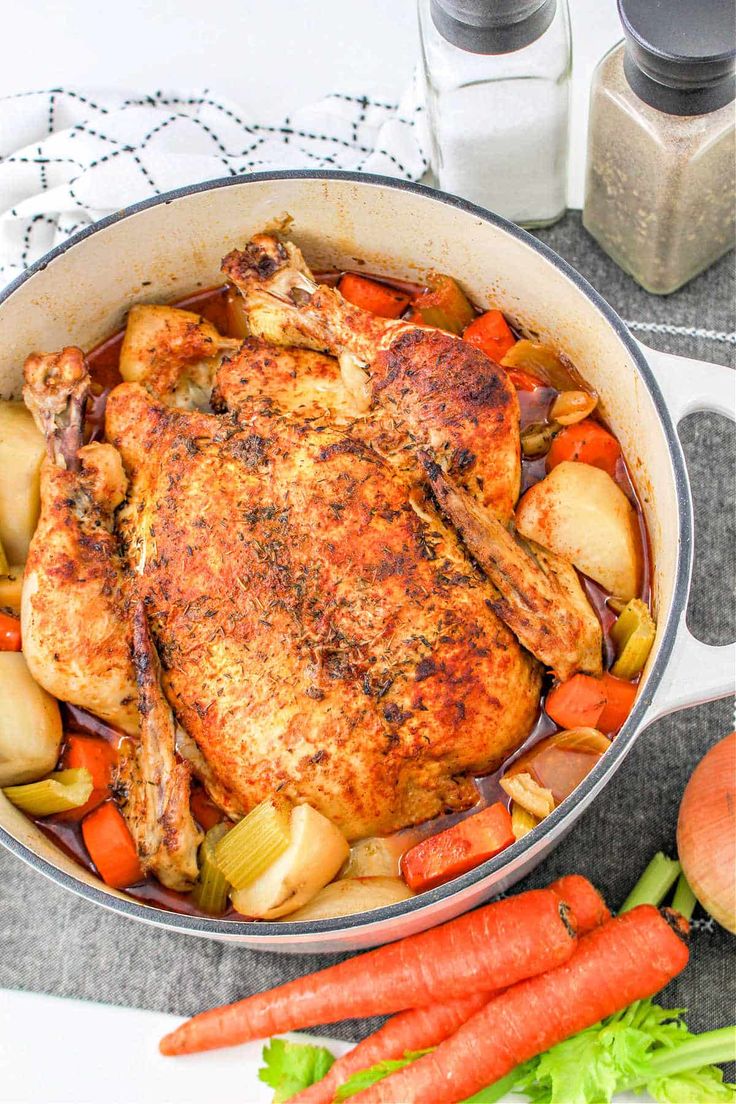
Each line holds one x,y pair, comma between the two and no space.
68,158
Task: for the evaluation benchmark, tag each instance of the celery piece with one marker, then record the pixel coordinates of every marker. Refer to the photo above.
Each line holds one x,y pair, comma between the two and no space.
64,790
212,887
695,1052
4,565
654,884
684,898
445,305
536,439
522,821
255,842
633,634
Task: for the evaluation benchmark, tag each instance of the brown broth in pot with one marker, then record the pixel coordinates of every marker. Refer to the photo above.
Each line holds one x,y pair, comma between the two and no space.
212,304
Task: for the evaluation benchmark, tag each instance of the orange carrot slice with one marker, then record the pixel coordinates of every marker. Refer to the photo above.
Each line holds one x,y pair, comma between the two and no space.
458,849
491,334
588,443
111,848
371,296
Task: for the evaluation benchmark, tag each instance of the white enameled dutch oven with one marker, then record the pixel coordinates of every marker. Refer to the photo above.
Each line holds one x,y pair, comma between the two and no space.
169,246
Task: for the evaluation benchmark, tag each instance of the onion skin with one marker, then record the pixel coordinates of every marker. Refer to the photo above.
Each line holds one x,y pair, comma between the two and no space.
706,832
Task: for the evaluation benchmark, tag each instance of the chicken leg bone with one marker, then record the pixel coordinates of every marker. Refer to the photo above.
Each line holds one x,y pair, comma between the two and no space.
154,783
55,391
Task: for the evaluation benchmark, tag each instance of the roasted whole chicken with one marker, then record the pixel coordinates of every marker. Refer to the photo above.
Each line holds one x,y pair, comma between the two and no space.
292,567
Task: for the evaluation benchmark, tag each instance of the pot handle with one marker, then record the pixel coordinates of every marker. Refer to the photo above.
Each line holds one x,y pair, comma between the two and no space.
699,672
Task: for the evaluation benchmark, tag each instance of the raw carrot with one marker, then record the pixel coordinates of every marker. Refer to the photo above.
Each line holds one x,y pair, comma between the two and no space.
203,810
420,1028
111,847
99,758
491,334
372,296
416,1029
458,849
587,442
577,703
488,949
9,632
588,907
629,958
620,696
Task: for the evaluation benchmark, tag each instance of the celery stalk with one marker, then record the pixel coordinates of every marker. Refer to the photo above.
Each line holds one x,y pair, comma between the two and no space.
654,884
633,634
64,790
212,887
255,842
445,305
684,898
711,1048
522,821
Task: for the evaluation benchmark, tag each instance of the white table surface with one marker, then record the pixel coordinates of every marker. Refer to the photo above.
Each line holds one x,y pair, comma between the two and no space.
268,56
55,1051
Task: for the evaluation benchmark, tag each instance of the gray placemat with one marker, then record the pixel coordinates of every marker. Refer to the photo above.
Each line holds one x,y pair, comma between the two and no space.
53,942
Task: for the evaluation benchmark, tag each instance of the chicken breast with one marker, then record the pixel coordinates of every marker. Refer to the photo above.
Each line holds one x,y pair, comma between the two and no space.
320,635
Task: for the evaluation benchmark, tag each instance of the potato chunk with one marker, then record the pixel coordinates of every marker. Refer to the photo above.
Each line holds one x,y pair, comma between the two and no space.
22,448
30,724
579,513
315,854
374,857
351,895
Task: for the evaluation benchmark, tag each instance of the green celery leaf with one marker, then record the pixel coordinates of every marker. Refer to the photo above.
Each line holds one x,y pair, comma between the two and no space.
363,1079
291,1067
703,1086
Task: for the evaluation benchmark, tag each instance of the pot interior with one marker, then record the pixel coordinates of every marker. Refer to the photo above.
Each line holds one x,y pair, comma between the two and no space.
167,250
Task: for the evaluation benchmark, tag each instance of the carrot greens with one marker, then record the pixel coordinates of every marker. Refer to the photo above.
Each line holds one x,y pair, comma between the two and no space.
290,1067
644,1048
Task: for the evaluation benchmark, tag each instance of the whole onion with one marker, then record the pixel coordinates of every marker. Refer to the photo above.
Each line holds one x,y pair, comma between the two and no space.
706,832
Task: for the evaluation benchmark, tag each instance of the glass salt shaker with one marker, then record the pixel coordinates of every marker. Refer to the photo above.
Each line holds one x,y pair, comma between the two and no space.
497,82
661,163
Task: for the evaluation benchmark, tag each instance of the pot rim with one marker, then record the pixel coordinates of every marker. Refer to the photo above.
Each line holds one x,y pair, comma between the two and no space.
274,933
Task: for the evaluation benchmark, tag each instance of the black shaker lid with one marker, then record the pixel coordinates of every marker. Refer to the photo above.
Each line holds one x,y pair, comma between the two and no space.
492,26
680,54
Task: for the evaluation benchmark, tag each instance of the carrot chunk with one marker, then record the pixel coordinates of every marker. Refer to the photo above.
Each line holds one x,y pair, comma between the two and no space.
491,334
203,810
577,703
9,633
620,696
458,849
111,848
371,296
99,758
588,443
524,381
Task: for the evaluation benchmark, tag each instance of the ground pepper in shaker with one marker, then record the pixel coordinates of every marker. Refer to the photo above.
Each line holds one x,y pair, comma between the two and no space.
497,76
661,163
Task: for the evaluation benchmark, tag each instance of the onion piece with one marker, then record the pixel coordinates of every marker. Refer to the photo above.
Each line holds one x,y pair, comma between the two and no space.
706,832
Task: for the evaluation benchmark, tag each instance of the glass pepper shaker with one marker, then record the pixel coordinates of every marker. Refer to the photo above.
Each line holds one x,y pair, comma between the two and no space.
497,77
661,162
